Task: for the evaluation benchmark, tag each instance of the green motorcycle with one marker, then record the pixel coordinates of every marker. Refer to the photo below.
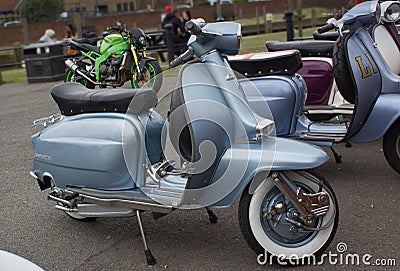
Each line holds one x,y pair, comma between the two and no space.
121,57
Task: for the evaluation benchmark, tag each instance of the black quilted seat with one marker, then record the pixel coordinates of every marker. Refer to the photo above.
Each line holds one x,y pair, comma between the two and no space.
320,48
74,98
267,63
82,46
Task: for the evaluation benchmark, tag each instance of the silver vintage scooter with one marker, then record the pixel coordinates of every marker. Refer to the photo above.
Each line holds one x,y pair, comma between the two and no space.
105,155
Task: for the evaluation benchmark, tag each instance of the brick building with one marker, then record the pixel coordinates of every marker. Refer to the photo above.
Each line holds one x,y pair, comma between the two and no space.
9,9
101,7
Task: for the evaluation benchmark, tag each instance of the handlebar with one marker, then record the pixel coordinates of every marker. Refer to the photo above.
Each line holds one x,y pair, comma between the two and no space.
186,56
326,28
114,29
193,28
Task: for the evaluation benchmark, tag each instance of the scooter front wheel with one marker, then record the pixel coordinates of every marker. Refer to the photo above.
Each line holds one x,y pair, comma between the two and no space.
273,234
391,146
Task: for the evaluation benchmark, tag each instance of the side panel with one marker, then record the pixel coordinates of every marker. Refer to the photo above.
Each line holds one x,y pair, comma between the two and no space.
318,74
386,111
285,96
88,150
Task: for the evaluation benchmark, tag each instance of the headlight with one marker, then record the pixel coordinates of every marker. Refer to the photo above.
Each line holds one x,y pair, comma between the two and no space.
264,128
390,11
142,40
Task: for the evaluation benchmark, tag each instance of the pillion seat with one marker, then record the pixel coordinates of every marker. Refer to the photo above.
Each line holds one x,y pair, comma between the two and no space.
267,63
74,98
319,48
85,47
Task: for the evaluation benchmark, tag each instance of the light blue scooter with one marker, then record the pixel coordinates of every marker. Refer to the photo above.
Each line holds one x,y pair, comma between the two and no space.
99,161
363,68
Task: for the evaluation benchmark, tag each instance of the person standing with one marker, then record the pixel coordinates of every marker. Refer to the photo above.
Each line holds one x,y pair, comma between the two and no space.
186,16
70,32
48,36
174,28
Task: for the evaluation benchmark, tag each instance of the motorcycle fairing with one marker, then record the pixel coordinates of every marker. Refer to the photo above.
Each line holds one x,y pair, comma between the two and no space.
116,49
110,41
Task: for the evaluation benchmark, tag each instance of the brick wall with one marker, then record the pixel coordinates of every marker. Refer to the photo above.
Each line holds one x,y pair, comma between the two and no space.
14,35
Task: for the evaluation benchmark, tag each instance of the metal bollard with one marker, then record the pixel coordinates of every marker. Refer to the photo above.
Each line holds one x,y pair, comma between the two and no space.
289,25
170,42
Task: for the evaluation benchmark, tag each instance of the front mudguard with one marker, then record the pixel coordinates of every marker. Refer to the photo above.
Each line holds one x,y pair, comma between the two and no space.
143,61
385,112
275,154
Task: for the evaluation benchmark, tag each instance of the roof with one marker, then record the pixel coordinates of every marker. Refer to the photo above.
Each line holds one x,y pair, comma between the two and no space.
8,5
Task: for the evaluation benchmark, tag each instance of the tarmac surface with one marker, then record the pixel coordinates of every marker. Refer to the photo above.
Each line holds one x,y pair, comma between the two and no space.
366,187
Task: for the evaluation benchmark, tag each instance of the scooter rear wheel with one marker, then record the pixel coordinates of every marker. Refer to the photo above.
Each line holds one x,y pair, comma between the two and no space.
275,236
391,146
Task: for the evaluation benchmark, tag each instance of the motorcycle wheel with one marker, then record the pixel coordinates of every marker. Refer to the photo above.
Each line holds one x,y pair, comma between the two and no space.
70,77
277,237
341,71
391,146
150,72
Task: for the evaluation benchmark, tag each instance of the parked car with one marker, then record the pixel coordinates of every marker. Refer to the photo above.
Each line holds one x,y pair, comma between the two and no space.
13,23
223,2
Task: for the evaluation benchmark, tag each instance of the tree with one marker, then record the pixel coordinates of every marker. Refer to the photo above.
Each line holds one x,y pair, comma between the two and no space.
41,10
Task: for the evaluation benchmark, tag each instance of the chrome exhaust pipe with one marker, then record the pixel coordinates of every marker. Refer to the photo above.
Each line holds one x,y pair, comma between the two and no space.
75,68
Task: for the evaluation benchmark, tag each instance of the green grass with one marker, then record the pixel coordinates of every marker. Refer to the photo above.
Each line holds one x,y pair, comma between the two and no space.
306,12
252,44
14,76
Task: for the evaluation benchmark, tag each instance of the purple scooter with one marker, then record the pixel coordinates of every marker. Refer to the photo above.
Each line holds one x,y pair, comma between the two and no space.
324,100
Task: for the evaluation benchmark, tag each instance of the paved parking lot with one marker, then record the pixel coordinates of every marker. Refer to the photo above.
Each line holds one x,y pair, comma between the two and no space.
366,187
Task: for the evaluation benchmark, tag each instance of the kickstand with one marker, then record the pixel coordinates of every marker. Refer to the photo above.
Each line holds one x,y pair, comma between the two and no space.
338,157
149,257
211,216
